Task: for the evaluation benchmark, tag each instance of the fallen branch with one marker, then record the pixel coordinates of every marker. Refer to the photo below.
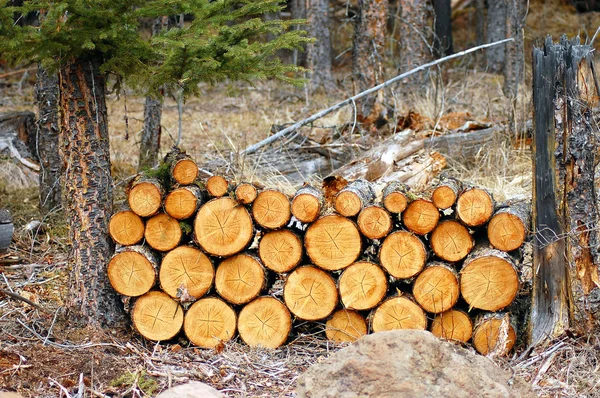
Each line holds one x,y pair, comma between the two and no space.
23,299
16,72
318,115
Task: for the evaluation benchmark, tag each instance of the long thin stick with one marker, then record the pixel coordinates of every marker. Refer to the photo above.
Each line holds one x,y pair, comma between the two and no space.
318,115
23,299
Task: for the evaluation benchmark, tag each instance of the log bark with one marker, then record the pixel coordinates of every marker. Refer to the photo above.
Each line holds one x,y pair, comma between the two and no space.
319,54
442,42
345,326
47,151
6,229
362,286
84,148
186,274
240,279
210,322
333,242
454,325
265,322
354,197
310,293
132,271
156,316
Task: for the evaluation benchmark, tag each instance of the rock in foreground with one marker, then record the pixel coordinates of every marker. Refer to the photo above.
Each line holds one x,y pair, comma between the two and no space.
408,363
193,389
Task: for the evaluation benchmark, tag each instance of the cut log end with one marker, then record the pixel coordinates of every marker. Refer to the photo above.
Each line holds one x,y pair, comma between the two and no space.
489,280
474,207
345,326
452,325
402,254
240,279
209,322
163,232
506,232
186,271
182,203
310,293
306,207
494,334
131,273
271,209
398,313
348,203
436,288
421,217
362,286
222,227
185,171
145,198
333,242
374,222
395,202
157,317
443,197
126,228
217,186
451,241
280,251
265,322
246,193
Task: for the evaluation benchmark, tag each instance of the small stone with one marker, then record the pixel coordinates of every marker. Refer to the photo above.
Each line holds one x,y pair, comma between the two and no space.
193,389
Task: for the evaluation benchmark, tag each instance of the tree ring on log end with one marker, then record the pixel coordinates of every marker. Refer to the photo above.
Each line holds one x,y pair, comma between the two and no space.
362,286
156,316
474,207
310,293
163,232
264,322
345,326
280,251
306,207
145,199
126,228
209,322
451,241
185,171
452,325
443,197
271,209
239,279
506,232
246,193
436,288
217,186
420,217
374,222
402,254
186,268
333,242
130,273
398,313
494,334
395,202
181,203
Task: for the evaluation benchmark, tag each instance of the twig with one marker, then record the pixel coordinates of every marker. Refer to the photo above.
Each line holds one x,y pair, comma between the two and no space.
23,299
16,72
318,115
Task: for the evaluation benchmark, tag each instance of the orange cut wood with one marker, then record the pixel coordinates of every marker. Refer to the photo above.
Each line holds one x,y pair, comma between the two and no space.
186,271
452,325
398,313
345,326
156,316
271,209
374,222
307,204
240,279
356,195
436,288
246,193
333,242
182,203
310,293
451,241
217,186
420,217
132,271
209,322
402,254
280,251
184,171
362,286
508,227
445,194
163,232
395,197
494,334
145,197
265,322
474,207
126,228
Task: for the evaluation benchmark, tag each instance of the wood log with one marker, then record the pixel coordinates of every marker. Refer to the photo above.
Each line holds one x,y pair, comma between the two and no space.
271,209
362,286
508,227
446,193
398,313
420,217
489,279
6,229
145,196
374,222
436,288
345,326
240,279
494,334
132,271
402,254
222,227
217,186
19,129
186,273
156,316
184,169
183,202
395,197
126,228
280,251
454,325
209,322
354,197
466,147
307,203
265,322
310,293
245,193
333,242
163,232
474,207
451,241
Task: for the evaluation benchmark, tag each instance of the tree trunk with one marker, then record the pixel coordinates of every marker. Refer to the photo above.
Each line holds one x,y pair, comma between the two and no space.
415,40
480,22
298,10
515,56
319,53
496,30
47,94
367,58
442,42
84,144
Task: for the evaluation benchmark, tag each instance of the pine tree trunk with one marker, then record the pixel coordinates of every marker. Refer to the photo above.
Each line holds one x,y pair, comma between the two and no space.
496,30
442,42
319,53
515,57
298,10
47,94
480,22
414,40
84,147
367,58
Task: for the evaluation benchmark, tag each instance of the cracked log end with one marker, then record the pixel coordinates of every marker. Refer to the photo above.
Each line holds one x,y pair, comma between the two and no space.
402,254
163,232
436,288
209,322
362,286
420,217
126,228
240,279
184,171
217,186
474,207
310,293
398,313
156,316
132,272
374,222
333,242
271,209
452,325
345,326
245,193
186,271
280,251
265,322
182,203
451,241
145,198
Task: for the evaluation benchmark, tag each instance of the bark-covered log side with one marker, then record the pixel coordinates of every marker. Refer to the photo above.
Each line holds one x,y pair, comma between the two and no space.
85,155
496,30
319,53
47,93
551,296
368,53
442,40
515,56
415,41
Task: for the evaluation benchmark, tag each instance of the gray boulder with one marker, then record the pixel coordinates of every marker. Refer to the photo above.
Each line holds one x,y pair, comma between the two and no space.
193,389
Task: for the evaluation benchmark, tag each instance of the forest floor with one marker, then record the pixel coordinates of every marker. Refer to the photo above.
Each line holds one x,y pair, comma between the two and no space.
42,355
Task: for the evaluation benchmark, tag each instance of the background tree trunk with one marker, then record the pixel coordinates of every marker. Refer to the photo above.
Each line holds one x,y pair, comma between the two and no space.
367,57
85,155
46,90
415,39
480,22
515,57
319,53
442,41
298,11
496,30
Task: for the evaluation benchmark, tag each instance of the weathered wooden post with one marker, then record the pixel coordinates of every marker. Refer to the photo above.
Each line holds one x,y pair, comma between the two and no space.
565,213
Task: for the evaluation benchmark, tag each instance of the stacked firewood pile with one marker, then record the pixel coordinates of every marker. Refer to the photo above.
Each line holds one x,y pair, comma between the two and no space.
218,259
